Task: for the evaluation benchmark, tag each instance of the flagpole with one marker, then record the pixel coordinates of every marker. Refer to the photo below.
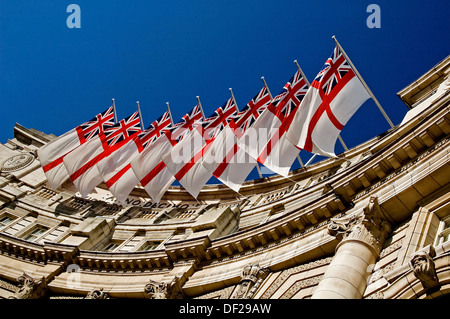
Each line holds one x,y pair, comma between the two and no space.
114,109
309,84
170,113
264,80
201,108
267,87
235,103
301,71
300,160
259,171
364,84
140,116
309,161
342,142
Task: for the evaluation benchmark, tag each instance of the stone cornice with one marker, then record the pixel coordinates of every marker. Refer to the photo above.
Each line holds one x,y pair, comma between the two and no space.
295,228
424,86
277,229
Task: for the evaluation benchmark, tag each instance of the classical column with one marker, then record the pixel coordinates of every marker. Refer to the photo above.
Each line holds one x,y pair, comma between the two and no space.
362,237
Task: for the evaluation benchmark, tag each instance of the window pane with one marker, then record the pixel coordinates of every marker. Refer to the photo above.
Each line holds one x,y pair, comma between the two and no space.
5,220
35,233
149,245
110,247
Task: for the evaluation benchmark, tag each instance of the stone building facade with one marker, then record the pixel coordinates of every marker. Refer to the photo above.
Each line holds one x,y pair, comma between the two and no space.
372,223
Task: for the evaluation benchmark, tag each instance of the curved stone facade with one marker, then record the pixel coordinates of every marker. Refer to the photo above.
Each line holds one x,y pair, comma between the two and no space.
372,223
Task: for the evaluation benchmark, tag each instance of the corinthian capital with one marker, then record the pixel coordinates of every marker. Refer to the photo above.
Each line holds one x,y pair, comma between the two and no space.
369,226
164,290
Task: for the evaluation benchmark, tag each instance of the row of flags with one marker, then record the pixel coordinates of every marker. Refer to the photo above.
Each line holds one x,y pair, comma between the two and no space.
228,144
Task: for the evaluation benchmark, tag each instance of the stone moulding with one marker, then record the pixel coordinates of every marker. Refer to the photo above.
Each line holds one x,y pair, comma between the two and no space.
397,151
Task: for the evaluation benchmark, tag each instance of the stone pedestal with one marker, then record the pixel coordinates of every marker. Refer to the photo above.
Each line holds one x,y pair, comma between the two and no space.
362,237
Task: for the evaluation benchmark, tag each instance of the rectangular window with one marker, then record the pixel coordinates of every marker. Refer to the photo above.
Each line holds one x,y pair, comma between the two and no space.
444,231
149,245
34,234
5,220
111,247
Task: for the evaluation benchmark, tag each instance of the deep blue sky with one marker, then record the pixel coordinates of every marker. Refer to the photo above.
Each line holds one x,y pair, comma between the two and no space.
53,78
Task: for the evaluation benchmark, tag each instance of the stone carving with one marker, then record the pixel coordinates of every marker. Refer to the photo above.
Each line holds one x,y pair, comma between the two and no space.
251,279
369,227
163,290
16,162
299,285
97,294
423,267
281,279
30,288
8,286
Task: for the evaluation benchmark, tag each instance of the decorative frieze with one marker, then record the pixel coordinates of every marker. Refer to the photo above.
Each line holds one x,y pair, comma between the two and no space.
224,293
291,271
404,168
301,284
8,286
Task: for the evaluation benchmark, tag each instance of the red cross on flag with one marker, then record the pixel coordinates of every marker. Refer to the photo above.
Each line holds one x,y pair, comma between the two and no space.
148,166
184,160
334,96
225,159
51,154
116,168
81,162
266,141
